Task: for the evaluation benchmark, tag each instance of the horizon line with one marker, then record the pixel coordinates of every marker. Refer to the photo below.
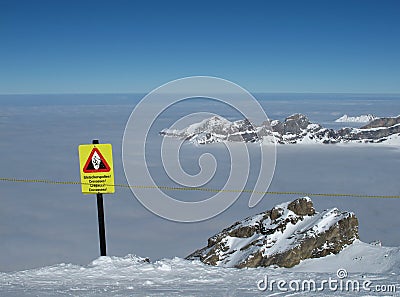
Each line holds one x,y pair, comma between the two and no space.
137,92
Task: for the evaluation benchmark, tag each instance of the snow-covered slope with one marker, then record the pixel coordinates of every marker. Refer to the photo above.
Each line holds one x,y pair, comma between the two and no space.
357,257
133,276
356,119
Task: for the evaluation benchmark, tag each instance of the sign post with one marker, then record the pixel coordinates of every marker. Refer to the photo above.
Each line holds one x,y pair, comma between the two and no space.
97,177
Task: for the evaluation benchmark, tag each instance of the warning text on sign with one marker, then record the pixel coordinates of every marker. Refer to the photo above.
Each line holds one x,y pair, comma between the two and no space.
96,168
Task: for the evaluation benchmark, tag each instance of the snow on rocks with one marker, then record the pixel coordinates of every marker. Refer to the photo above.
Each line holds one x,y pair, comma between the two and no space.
283,236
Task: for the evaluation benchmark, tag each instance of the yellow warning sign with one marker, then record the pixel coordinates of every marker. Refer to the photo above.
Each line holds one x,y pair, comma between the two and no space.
96,168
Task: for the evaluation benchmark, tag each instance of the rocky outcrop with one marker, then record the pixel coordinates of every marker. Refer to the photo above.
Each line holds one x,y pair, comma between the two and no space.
294,129
295,124
283,236
372,135
382,122
298,129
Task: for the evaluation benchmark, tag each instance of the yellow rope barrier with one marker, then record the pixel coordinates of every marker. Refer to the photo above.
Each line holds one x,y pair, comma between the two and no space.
166,188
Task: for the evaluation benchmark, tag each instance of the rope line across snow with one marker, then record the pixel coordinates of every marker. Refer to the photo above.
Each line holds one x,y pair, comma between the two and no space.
166,188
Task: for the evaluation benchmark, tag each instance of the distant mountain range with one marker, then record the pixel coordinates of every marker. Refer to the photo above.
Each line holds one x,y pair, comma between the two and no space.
295,129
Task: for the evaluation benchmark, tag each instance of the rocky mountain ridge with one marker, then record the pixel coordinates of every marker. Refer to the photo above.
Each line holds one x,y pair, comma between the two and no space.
296,128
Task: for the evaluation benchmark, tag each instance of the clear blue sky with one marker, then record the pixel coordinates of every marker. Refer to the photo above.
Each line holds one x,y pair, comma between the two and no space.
265,46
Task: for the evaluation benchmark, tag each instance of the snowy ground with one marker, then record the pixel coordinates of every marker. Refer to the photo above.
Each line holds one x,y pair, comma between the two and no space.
372,268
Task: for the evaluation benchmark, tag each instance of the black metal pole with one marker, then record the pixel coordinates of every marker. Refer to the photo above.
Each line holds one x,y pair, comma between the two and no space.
102,229
100,216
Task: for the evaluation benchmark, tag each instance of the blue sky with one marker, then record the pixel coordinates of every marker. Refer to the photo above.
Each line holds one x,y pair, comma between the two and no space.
265,46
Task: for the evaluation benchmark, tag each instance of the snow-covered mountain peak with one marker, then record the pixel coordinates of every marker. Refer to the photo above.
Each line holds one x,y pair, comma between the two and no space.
356,119
216,129
208,124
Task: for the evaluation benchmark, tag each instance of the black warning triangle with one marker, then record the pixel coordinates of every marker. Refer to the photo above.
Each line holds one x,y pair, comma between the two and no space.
96,163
